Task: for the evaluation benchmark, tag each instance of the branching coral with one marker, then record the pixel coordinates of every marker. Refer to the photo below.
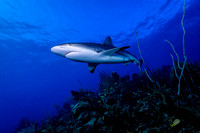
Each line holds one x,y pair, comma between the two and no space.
179,76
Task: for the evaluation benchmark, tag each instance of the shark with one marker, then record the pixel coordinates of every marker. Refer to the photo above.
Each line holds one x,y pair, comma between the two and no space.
95,53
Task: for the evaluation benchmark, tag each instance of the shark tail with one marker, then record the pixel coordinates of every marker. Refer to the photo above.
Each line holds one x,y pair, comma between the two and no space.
141,62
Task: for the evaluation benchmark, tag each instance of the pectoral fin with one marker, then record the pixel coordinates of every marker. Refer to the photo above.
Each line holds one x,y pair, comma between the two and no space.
114,50
92,66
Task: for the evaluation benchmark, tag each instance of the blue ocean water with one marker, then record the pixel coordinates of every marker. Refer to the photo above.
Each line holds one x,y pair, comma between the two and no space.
33,79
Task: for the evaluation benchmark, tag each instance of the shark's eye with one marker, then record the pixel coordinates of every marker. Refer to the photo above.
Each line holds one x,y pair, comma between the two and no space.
98,50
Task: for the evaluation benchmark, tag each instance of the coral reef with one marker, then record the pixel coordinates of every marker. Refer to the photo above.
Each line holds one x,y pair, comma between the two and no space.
132,104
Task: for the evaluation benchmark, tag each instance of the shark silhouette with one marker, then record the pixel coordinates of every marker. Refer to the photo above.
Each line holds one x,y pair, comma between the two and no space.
94,53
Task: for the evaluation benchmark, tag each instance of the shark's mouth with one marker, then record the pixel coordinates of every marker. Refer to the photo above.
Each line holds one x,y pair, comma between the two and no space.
63,55
67,53
59,54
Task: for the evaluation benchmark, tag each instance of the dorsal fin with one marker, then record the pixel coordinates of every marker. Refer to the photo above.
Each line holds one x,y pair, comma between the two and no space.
108,42
114,50
92,66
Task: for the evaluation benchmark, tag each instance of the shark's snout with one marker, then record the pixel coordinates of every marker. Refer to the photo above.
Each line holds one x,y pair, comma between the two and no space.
53,49
58,50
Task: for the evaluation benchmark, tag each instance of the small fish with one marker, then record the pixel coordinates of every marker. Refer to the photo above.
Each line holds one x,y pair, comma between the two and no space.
176,122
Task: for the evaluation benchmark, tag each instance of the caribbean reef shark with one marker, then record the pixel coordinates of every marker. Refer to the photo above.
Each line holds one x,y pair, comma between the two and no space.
95,54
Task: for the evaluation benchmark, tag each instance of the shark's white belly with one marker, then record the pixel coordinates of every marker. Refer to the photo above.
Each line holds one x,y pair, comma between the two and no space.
94,57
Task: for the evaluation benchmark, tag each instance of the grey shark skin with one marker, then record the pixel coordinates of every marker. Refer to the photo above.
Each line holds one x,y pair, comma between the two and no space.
94,53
